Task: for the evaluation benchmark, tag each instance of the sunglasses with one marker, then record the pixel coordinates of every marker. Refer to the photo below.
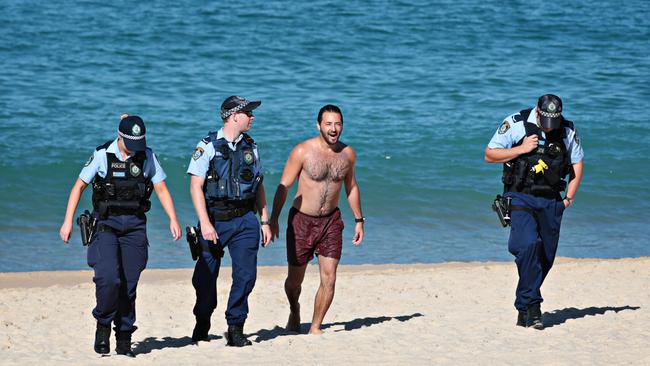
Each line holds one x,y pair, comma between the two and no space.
248,113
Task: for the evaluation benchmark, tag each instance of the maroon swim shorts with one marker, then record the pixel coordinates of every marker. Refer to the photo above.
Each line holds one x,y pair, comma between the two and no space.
308,234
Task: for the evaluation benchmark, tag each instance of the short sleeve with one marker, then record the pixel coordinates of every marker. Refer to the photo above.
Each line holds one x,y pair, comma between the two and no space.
200,161
93,166
155,171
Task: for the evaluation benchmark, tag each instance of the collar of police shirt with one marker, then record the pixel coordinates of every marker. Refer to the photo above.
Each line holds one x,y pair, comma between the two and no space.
115,149
231,145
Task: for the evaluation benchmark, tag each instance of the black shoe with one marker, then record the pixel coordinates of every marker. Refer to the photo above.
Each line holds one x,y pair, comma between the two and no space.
534,317
235,336
200,332
123,344
521,319
103,339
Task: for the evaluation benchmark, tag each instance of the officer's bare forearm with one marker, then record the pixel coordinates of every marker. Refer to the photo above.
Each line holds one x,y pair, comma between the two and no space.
196,192
278,200
166,200
262,210
73,201
574,180
502,155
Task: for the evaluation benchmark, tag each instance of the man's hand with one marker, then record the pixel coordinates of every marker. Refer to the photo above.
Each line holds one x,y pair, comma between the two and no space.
208,232
358,233
175,229
275,229
266,235
529,144
65,231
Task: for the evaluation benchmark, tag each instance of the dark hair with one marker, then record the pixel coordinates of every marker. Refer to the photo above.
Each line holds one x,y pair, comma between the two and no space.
329,108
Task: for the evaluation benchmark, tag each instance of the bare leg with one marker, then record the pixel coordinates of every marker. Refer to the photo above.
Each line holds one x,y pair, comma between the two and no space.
325,292
292,287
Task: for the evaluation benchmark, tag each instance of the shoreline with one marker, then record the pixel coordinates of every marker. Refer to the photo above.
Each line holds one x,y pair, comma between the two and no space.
77,277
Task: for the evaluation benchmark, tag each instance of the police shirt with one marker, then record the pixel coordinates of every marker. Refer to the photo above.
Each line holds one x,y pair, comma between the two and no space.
97,164
512,131
205,152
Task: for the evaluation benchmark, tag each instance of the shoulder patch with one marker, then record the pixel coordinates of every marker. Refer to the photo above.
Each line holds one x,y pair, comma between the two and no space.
504,127
576,138
197,153
90,160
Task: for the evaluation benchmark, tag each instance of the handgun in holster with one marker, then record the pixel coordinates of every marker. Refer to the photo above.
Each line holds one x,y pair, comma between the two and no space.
192,235
501,206
87,227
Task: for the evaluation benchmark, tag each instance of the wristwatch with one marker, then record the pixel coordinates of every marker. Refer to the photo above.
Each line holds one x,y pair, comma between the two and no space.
265,223
570,199
360,219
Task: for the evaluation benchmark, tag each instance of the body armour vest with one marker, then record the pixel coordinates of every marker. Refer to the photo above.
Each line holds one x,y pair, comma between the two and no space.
233,176
540,172
124,190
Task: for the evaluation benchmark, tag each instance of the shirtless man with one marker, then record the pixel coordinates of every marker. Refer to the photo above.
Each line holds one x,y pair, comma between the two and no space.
321,164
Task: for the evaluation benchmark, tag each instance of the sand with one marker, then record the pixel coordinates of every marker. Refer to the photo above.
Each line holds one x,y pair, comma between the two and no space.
596,312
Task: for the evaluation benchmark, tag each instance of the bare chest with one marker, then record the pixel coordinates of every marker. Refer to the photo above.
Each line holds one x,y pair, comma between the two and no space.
320,167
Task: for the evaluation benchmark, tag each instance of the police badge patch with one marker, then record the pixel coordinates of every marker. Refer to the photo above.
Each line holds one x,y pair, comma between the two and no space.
504,127
135,171
576,138
248,157
90,160
136,130
197,153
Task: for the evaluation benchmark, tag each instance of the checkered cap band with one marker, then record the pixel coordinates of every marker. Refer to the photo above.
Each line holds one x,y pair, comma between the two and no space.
129,136
550,115
227,113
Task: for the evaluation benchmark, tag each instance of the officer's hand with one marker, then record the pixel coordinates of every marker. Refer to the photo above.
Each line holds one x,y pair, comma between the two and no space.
530,143
175,229
266,235
275,229
65,231
209,233
358,233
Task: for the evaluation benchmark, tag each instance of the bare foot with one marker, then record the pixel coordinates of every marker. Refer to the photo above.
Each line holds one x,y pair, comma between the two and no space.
293,324
315,331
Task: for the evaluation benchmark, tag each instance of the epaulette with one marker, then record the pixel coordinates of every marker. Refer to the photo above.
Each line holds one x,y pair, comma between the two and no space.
206,140
104,145
568,124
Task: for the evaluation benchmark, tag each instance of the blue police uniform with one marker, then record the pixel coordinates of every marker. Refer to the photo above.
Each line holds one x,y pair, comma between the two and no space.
118,252
233,173
537,206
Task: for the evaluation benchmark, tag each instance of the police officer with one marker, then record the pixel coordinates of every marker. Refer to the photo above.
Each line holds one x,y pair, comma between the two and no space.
538,148
226,189
123,173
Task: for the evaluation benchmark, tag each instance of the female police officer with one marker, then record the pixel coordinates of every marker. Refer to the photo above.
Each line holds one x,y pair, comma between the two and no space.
123,173
226,189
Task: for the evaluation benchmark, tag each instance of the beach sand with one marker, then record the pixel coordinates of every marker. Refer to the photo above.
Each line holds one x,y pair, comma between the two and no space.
596,312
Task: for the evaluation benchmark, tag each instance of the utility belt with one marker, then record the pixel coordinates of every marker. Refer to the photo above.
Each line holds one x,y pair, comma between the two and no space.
503,207
227,210
192,236
114,207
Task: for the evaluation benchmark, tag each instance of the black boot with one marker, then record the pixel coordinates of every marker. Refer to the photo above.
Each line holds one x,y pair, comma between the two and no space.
236,336
200,332
123,344
534,317
103,339
521,319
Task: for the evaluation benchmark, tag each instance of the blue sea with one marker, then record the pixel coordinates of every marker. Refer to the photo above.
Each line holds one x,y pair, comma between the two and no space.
422,85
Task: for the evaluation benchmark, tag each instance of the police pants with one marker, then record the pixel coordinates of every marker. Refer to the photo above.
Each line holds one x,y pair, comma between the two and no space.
533,241
118,254
242,236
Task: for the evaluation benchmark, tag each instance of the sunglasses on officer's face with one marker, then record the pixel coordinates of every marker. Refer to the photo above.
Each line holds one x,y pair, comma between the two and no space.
248,113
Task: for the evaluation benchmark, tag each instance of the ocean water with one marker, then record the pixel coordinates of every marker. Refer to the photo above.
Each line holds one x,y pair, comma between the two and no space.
423,86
